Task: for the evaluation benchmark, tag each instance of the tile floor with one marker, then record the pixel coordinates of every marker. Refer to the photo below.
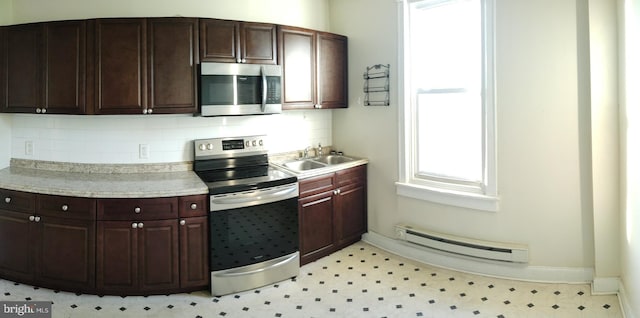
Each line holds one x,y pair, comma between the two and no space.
358,281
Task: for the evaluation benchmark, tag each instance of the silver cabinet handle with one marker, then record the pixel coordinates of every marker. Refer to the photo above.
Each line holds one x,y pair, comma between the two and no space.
7,200
134,225
194,206
140,225
183,222
137,210
65,207
32,218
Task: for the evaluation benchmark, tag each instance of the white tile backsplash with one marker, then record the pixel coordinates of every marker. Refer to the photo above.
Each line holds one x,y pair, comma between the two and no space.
116,139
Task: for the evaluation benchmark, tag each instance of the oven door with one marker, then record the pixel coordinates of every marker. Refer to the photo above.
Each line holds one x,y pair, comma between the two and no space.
253,227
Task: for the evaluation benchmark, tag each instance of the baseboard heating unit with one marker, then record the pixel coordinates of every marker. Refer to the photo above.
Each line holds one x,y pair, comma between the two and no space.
506,252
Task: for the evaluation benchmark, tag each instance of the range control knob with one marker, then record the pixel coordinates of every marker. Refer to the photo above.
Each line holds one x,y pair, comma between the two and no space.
247,143
260,143
202,147
210,146
254,143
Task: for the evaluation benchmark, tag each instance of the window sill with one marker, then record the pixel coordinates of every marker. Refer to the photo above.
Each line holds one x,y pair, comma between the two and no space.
453,198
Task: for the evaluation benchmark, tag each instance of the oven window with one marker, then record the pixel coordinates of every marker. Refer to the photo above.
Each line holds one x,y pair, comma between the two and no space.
250,235
217,90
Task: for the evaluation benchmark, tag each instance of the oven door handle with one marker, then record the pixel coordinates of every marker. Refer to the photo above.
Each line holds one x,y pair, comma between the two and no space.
268,265
254,198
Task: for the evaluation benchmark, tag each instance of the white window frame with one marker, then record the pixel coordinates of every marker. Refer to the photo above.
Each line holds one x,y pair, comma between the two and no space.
482,197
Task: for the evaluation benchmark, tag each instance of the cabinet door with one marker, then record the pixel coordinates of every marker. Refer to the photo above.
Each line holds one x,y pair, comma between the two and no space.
65,255
117,257
24,68
351,214
120,70
317,233
297,57
3,68
258,43
173,47
194,251
219,41
16,246
65,56
332,70
158,255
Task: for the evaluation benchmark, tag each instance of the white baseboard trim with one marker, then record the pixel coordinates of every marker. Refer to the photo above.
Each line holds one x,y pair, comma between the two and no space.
605,285
498,269
625,304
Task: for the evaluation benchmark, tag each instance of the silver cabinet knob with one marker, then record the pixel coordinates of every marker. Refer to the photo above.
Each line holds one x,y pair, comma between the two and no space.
137,210
183,222
149,111
7,200
32,218
37,219
318,106
194,206
65,207
44,110
134,225
140,225
38,110
144,111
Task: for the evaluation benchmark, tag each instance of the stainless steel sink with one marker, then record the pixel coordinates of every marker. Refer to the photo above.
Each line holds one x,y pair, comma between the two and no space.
303,165
316,162
332,159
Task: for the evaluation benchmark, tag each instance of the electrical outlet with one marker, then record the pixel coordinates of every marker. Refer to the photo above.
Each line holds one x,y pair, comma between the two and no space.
28,148
143,151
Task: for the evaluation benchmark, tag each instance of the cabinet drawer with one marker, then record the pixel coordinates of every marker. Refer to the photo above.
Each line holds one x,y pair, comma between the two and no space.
17,201
138,209
355,175
193,205
315,185
67,207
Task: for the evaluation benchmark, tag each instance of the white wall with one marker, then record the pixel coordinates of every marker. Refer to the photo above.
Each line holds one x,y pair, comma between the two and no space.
116,139
630,154
303,13
539,155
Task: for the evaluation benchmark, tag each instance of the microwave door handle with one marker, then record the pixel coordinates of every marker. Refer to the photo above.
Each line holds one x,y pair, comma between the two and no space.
264,89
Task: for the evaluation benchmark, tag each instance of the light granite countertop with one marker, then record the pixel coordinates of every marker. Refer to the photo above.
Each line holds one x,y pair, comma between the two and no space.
101,181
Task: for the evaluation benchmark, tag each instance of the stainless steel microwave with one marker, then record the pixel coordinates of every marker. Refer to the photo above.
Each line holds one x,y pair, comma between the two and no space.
229,89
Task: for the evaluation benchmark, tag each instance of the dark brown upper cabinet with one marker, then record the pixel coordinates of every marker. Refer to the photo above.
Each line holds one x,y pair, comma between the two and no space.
314,68
146,66
172,70
44,68
297,53
332,74
237,42
120,66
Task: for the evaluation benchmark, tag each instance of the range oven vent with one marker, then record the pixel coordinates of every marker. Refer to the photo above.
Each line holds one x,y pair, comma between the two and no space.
506,252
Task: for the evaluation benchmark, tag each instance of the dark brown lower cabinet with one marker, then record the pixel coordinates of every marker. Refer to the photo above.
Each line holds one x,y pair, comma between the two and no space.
105,246
137,257
16,246
65,256
332,212
194,252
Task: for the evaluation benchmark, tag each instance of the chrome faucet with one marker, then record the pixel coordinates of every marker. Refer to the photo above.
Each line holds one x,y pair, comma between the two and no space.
306,152
319,152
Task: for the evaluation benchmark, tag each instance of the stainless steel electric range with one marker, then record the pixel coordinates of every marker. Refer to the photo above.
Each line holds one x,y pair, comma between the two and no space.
253,214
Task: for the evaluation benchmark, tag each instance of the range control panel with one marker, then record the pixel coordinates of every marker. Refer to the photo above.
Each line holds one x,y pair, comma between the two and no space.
229,146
